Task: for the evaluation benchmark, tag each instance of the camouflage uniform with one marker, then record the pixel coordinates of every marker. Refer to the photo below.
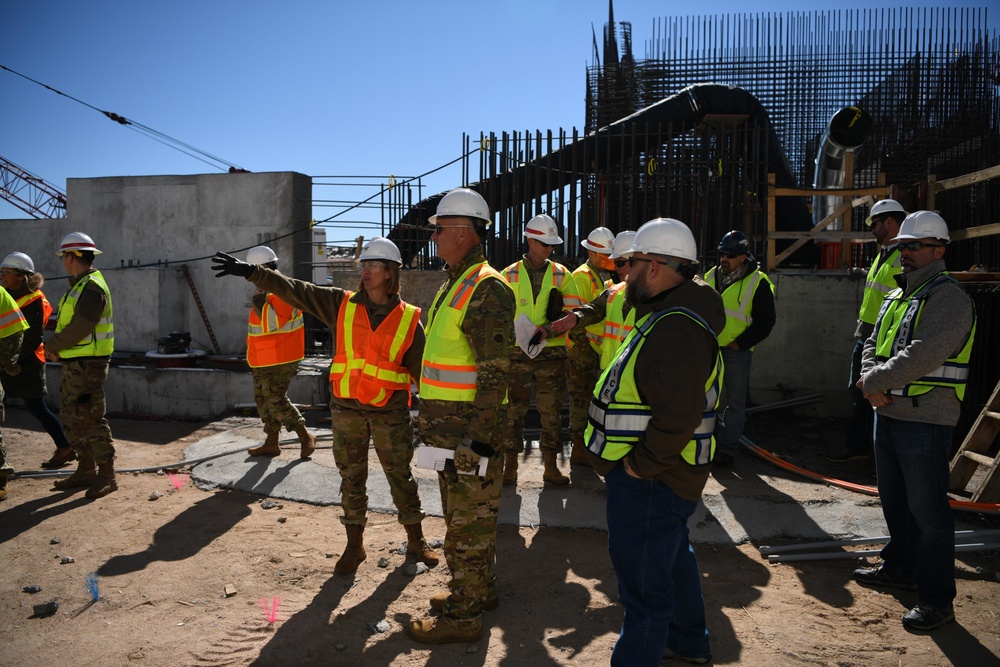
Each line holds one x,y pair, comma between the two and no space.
270,392
583,364
471,503
548,373
354,423
10,346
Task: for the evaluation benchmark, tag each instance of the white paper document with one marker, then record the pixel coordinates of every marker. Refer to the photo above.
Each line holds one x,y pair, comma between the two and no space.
433,458
524,329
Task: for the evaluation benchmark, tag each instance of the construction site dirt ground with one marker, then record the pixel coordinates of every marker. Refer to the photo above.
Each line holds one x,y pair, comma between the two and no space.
163,567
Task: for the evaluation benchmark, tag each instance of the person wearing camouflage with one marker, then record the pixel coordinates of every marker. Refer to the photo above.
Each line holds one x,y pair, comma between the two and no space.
12,327
540,286
463,398
275,346
83,344
378,345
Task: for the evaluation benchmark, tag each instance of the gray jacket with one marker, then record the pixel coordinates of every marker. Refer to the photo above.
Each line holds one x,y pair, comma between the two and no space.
945,322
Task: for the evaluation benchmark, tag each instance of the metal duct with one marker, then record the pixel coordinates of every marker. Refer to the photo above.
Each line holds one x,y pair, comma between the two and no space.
846,131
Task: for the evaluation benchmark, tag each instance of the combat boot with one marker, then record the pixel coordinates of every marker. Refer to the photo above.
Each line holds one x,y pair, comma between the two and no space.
417,545
510,468
105,482
491,602
578,455
63,456
84,475
269,448
308,441
3,487
552,474
354,552
442,630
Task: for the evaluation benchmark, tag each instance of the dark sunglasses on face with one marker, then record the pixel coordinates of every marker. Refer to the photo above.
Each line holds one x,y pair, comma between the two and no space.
731,255
914,246
620,262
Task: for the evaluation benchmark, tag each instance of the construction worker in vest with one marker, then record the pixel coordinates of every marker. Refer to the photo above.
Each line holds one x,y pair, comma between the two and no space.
884,220
583,360
914,370
649,434
749,298
463,406
83,344
12,329
541,288
276,343
378,345
26,379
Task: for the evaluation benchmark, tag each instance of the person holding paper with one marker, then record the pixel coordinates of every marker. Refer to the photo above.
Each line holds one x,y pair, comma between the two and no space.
540,287
463,404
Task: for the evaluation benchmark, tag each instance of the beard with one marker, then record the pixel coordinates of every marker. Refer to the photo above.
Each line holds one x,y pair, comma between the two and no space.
636,290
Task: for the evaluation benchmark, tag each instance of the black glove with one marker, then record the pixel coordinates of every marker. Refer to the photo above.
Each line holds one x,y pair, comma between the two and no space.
227,265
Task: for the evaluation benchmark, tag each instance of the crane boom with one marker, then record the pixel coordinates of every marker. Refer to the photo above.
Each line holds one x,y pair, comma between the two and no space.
30,193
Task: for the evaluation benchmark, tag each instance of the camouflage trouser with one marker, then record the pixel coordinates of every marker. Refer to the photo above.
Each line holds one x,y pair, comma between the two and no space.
270,391
470,505
5,468
82,406
583,366
549,377
392,433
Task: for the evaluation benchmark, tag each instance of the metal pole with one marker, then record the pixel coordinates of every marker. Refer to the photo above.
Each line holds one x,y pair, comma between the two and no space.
801,400
785,558
767,550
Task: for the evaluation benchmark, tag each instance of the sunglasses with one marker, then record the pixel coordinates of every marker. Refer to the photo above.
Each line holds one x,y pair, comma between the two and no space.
914,246
620,262
436,229
633,260
731,255
372,264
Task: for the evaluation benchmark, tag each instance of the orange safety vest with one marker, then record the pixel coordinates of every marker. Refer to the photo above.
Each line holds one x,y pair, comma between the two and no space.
369,365
46,314
276,335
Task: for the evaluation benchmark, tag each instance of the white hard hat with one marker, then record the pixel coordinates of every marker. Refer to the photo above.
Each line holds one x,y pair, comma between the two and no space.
463,202
77,241
882,207
665,236
261,255
600,240
19,261
542,228
380,248
922,225
623,241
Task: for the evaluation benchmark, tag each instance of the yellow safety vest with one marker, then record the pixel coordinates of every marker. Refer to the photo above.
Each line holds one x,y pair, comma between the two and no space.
738,301
881,280
101,342
11,319
590,285
616,324
898,320
449,371
555,276
617,417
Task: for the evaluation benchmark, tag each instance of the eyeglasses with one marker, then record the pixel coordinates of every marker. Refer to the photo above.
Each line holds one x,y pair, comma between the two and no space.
436,229
914,246
620,262
633,260
731,255
372,264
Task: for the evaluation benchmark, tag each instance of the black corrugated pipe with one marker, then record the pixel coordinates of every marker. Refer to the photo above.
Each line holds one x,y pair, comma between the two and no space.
846,131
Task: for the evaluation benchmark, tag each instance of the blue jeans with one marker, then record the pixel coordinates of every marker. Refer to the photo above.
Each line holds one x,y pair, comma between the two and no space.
732,415
658,579
912,461
38,409
859,431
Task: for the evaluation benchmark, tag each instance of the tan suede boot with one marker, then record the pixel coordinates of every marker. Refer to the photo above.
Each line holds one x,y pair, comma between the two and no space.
552,474
84,475
417,545
62,457
491,602
105,482
308,441
443,630
578,455
510,468
354,552
269,448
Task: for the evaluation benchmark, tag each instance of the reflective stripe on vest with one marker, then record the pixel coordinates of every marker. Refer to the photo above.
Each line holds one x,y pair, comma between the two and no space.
11,318
589,285
616,417
30,298
616,324
554,277
101,342
738,301
449,372
368,368
881,280
276,335
901,323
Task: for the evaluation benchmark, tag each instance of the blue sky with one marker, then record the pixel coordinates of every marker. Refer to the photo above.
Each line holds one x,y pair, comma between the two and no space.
323,87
